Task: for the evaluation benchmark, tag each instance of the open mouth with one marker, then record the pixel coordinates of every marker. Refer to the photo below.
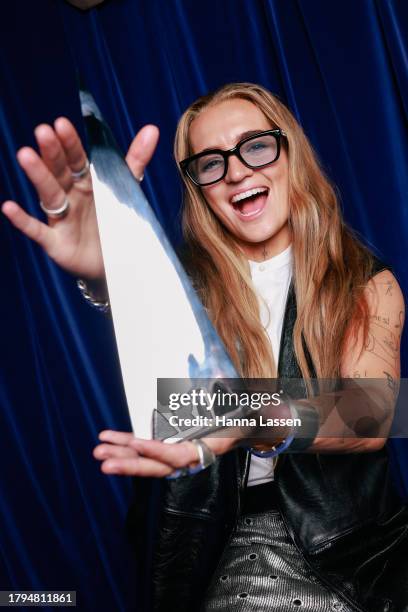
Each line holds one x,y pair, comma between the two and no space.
251,203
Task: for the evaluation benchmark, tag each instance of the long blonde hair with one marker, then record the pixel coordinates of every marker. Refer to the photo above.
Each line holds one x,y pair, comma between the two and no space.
331,267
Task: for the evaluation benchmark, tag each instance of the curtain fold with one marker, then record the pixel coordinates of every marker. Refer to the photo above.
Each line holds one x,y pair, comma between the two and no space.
342,67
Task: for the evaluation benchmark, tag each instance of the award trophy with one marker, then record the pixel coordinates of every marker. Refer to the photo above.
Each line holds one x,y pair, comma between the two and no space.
162,330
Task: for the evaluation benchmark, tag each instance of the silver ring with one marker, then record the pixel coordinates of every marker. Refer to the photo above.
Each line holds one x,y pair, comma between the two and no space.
77,176
140,179
56,213
206,457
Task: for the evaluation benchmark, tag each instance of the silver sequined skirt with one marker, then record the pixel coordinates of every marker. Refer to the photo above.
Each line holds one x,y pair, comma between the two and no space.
261,569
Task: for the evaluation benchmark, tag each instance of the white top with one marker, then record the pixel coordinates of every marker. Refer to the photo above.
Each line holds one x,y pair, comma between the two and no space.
271,279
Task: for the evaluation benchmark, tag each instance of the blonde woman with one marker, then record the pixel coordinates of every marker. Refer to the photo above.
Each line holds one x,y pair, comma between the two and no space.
291,292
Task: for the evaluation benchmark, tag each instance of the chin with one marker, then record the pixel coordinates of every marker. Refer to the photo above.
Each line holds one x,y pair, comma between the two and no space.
258,237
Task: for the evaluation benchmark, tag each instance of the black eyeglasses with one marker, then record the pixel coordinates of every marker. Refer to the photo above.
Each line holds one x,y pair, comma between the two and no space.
255,151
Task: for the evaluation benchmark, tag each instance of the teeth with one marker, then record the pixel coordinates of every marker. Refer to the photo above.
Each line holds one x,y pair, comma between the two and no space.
247,194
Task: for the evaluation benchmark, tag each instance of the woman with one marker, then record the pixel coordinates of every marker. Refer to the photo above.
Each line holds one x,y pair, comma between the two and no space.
291,292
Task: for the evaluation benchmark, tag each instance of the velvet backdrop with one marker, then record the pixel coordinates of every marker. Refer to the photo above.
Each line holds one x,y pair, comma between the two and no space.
342,68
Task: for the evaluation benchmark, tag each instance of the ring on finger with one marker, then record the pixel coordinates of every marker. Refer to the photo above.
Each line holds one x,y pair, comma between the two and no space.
77,176
140,178
206,457
56,213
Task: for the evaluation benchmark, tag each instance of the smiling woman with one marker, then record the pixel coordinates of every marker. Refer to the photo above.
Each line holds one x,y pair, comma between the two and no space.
258,222
292,293
271,234
296,205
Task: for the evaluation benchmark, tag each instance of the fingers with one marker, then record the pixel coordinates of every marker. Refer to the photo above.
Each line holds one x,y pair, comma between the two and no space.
53,155
61,150
141,150
176,455
51,174
47,186
135,457
106,451
71,144
152,457
139,466
123,460
116,437
31,227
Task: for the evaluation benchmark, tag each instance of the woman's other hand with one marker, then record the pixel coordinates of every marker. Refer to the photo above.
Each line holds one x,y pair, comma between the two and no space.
71,240
123,454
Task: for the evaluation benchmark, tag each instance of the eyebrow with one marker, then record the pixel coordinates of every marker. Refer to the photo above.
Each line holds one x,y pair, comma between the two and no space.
239,138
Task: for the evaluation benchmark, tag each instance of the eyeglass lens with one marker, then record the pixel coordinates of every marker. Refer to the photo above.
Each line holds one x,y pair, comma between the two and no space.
256,152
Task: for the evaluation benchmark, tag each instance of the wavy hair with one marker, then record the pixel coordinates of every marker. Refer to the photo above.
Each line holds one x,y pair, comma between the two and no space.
331,266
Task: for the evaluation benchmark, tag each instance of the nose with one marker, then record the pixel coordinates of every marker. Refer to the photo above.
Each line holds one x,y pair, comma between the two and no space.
237,171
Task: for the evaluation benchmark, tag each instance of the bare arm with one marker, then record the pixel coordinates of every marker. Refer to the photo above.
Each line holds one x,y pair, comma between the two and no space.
377,366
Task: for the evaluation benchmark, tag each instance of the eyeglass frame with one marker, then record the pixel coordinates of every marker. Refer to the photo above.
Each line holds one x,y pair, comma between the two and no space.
277,132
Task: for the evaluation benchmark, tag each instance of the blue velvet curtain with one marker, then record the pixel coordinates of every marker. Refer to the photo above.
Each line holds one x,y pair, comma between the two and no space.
341,66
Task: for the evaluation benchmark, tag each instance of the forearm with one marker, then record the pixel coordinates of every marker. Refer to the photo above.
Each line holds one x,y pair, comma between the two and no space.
357,418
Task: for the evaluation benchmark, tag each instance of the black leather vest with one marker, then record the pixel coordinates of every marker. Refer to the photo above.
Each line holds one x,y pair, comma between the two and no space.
341,511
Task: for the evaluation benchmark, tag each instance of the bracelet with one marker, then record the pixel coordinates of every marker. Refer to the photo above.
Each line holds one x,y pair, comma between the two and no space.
309,417
91,300
275,450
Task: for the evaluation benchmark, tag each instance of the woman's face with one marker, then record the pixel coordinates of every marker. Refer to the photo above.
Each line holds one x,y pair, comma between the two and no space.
259,222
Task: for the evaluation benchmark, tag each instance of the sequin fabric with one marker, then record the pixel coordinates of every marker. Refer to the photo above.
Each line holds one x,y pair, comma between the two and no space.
261,569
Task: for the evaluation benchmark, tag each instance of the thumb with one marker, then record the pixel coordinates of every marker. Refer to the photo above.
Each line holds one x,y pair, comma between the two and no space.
141,149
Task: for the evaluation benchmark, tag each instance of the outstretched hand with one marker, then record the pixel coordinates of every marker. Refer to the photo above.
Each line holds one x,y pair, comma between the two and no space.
72,239
123,454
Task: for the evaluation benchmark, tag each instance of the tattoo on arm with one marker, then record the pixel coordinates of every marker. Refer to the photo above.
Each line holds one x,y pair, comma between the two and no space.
383,343
383,339
356,374
400,320
392,383
387,288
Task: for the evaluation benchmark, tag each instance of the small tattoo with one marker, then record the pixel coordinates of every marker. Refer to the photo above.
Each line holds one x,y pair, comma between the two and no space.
400,320
391,383
264,253
384,346
379,319
389,285
390,342
358,374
